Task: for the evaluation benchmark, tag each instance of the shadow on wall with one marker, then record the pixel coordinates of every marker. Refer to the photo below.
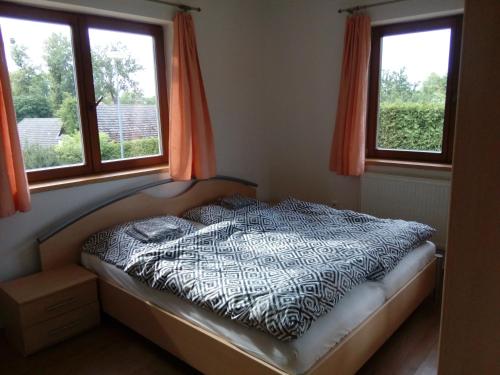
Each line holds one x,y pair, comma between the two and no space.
18,233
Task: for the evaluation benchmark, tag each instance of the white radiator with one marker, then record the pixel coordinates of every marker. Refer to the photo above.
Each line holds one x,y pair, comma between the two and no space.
410,198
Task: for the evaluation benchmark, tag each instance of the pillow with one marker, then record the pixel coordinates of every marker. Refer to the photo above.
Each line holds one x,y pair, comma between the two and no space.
116,244
237,201
155,230
223,209
209,214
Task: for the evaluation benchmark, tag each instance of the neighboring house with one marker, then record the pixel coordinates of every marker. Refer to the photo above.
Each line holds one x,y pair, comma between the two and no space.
138,121
39,131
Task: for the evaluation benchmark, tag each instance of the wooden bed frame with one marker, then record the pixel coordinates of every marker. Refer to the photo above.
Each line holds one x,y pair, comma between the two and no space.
201,349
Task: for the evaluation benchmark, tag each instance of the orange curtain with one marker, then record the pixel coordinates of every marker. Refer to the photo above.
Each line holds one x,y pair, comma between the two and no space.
348,147
14,191
191,153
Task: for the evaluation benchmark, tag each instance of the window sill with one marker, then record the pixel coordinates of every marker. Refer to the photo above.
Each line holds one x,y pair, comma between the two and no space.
409,164
38,187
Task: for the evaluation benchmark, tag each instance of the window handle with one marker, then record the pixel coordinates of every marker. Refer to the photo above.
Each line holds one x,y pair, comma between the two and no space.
93,106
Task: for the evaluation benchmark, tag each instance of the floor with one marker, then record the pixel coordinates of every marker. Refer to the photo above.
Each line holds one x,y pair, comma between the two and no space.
114,349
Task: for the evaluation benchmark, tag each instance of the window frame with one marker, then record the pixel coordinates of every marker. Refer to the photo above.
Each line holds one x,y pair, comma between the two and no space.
79,24
378,32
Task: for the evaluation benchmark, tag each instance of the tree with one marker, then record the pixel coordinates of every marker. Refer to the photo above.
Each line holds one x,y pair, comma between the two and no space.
68,113
136,98
29,86
69,149
411,115
114,74
59,58
433,89
396,87
19,55
38,94
36,156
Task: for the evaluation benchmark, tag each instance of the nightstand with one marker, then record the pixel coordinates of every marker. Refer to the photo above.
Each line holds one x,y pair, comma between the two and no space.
49,307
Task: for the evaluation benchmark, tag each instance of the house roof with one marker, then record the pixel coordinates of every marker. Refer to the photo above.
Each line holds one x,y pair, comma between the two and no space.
42,131
138,121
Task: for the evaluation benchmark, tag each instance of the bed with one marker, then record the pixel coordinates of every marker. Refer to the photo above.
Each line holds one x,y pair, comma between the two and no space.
338,342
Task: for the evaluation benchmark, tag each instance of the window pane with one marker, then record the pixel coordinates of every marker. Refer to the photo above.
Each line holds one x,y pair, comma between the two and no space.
412,93
41,69
125,78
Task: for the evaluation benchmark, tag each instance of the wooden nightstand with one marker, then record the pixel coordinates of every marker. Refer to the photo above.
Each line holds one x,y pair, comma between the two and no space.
49,307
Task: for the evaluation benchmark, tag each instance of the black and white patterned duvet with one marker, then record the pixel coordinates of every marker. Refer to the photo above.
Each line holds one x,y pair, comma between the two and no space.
275,269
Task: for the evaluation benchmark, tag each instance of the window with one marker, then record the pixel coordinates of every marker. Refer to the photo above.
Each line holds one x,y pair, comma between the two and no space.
413,89
89,92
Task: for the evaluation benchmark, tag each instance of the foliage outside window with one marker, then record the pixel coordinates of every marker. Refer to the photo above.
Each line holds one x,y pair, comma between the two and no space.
83,108
413,74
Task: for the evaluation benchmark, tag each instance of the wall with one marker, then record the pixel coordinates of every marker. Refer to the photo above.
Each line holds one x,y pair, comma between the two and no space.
303,56
229,35
470,326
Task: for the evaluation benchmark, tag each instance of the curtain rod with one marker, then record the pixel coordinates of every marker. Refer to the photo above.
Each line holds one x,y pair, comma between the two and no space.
361,7
183,7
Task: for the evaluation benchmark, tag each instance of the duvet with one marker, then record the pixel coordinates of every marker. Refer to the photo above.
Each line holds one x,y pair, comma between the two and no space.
276,269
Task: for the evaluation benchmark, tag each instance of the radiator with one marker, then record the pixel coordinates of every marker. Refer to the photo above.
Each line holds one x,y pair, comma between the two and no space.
410,198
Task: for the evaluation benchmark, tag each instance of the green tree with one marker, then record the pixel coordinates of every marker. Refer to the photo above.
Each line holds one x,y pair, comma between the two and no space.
410,126
69,149
396,87
411,115
29,86
110,150
136,98
433,89
68,113
19,55
141,147
114,74
36,156
58,55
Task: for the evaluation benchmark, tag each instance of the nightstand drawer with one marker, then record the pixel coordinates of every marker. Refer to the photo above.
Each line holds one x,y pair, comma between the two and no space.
58,303
60,328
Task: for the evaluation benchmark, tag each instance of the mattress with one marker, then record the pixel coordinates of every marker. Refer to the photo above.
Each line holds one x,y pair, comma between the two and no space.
296,356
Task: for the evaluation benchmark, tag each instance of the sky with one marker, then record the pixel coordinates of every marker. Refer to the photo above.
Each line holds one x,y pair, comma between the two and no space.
34,34
420,53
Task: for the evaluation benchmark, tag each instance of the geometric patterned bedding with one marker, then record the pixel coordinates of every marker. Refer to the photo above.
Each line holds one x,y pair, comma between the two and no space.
276,269
223,210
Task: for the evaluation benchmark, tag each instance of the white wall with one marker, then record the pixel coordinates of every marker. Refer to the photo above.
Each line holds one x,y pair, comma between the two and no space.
303,60
303,53
229,37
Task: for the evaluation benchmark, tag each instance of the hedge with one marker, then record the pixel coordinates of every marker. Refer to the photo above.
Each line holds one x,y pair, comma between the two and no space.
410,126
69,151
36,156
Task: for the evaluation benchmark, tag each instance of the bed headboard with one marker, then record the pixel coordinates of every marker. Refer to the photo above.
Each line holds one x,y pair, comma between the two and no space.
62,245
